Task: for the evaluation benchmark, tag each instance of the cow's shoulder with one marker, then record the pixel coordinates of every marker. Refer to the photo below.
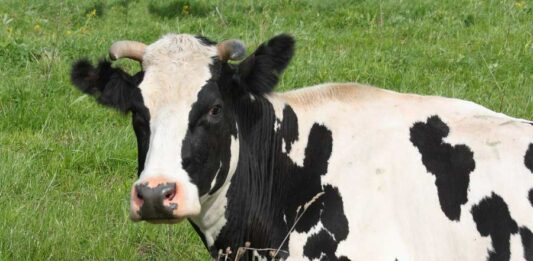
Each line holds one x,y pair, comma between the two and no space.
338,92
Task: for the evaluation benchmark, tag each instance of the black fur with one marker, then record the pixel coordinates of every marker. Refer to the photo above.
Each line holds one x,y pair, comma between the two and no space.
528,161
274,185
320,243
530,196
335,224
111,86
140,119
525,233
289,134
493,219
205,41
527,243
332,215
451,165
306,180
206,147
260,72
528,158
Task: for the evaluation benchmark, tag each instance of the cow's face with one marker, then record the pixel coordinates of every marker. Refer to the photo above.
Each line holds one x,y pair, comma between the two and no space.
191,131
184,116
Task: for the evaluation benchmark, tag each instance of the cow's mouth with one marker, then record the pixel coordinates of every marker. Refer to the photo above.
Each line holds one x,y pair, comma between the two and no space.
165,221
136,217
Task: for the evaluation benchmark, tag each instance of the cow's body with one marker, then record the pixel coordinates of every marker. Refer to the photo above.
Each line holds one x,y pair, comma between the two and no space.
390,197
330,172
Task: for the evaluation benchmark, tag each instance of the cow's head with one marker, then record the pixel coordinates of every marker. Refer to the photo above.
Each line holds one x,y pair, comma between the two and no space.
183,113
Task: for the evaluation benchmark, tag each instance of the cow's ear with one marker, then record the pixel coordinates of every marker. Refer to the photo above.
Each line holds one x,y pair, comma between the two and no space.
111,87
260,71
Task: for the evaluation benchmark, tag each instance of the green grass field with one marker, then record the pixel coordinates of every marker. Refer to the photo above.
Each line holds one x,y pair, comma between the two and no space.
67,164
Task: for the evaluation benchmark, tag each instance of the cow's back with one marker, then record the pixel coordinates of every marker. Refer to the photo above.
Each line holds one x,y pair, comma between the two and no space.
421,177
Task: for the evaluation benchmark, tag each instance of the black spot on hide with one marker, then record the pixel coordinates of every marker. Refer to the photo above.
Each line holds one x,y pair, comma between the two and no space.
527,243
528,161
306,182
530,196
451,165
493,219
321,243
528,158
289,134
332,215
325,242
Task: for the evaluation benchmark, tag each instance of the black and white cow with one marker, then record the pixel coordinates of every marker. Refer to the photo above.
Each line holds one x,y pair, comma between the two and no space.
329,172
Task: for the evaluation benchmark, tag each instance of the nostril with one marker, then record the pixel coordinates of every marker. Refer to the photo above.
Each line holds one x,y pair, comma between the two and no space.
139,192
169,192
170,195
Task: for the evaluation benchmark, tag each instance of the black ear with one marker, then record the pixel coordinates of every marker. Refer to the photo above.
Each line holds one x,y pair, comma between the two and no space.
112,87
260,71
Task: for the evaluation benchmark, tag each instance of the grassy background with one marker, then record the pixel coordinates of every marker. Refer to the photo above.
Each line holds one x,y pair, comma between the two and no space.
66,164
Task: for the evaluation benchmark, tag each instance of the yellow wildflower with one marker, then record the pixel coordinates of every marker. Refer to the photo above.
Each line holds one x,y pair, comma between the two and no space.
520,5
91,14
186,9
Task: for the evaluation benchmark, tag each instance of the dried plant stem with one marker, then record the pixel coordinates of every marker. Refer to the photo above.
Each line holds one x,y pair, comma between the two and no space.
298,219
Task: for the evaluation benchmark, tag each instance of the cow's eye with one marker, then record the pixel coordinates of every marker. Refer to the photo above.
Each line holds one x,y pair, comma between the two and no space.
215,110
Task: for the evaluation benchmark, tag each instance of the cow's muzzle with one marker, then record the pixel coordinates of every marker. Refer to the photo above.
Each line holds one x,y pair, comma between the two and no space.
155,201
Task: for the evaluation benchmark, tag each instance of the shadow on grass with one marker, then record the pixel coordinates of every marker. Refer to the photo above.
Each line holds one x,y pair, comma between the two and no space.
179,8
97,9
125,3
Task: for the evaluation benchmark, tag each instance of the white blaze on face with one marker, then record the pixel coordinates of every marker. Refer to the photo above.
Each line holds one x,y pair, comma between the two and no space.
176,68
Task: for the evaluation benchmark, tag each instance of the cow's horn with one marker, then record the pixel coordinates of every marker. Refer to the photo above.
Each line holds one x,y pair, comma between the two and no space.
127,49
231,50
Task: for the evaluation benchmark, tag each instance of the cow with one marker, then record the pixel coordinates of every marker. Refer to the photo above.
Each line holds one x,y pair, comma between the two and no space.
336,171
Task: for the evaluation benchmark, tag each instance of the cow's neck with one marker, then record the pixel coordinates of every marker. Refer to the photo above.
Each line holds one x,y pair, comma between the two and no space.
256,198
212,217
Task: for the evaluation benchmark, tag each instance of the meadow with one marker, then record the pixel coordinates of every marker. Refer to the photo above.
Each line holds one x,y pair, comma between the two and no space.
67,164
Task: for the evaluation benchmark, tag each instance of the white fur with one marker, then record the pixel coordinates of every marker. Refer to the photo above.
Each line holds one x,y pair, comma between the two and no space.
390,199
176,68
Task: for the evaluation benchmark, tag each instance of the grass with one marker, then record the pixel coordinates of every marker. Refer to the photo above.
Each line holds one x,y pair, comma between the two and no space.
66,164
